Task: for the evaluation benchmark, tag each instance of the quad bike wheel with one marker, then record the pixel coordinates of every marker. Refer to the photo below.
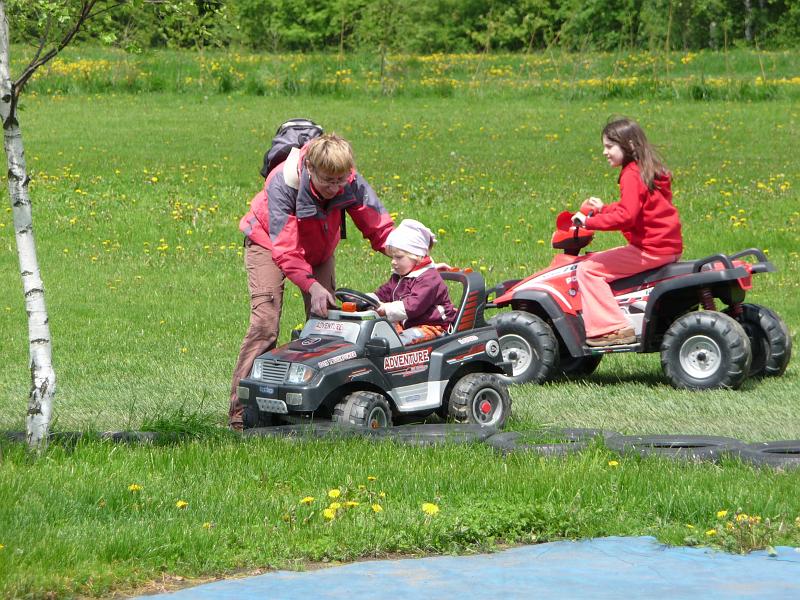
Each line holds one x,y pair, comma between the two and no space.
770,340
576,367
705,350
480,398
363,409
526,341
252,417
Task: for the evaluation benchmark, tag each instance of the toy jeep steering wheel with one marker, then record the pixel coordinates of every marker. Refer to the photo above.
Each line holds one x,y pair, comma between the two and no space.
360,299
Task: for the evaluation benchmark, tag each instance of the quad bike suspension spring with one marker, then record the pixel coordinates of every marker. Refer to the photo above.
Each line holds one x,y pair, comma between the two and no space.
735,310
706,299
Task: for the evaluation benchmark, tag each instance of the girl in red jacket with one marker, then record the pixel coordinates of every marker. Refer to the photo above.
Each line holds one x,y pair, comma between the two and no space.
646,217
415,298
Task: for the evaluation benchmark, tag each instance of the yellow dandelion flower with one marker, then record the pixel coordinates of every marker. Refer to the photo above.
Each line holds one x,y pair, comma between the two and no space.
329,514
741,517
352,504
382,495
371,478
181,504
335,505
689,526
334,493
711,532
429,508
441,231
376,508
613,463
134,487
208,525
307,500
721,514
2,547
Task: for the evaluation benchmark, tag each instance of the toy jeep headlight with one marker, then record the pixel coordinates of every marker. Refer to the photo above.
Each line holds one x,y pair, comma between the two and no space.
258,368
299,373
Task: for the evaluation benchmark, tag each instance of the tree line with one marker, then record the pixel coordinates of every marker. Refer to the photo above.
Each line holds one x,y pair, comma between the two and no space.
438,25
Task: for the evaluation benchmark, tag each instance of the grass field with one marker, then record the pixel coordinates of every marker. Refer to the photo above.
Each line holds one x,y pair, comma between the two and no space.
136,201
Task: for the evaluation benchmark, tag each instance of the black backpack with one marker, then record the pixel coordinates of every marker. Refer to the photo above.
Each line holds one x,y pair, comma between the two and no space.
294,133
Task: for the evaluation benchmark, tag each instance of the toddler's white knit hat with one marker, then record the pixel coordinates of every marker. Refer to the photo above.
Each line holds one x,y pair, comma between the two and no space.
413,237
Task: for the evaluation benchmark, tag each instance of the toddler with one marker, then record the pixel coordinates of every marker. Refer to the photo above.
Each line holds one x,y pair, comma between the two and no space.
415,298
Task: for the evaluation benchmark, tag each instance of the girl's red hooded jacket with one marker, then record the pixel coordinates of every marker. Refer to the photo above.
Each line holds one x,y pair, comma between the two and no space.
647,219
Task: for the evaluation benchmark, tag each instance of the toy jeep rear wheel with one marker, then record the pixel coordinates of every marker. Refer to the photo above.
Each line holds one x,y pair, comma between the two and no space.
526,341
705,350
480,398
363,409
770,340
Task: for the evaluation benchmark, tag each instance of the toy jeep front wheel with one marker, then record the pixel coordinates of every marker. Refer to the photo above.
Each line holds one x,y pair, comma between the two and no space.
480,398
705,350
363,409
253,418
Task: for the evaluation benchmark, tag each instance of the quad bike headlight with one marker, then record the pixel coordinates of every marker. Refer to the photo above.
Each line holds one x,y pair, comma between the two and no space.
299,373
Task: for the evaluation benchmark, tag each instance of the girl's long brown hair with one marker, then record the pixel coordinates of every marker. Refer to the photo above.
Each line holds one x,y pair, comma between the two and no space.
631,138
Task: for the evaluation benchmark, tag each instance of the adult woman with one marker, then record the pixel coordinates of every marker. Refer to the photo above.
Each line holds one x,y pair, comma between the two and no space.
292,230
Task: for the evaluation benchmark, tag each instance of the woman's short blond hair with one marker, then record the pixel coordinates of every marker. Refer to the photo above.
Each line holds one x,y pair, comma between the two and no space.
330,154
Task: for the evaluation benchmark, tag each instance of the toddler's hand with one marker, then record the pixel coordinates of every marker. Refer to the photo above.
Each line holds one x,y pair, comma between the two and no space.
579,218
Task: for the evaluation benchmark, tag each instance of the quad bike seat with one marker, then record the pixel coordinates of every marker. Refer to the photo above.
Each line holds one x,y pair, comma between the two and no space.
668,271
681,268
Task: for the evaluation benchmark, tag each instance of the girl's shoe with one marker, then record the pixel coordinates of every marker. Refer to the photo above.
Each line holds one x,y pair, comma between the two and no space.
620,337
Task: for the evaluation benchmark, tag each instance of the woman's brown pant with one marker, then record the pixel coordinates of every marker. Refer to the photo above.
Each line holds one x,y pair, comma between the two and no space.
266,281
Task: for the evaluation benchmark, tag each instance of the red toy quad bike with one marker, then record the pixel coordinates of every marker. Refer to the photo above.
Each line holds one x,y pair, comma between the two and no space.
673,310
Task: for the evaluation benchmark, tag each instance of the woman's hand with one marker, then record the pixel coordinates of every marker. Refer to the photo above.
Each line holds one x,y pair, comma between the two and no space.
321,299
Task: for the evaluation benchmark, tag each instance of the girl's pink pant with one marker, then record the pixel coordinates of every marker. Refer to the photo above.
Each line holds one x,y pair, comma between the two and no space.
601,314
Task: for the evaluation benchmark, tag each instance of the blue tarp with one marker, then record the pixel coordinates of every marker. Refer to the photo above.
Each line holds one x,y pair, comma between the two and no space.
612,568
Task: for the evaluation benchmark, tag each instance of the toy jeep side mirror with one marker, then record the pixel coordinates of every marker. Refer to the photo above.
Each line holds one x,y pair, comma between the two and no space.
377,347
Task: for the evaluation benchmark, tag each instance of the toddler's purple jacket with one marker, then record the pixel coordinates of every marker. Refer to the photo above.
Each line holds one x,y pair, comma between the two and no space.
418,298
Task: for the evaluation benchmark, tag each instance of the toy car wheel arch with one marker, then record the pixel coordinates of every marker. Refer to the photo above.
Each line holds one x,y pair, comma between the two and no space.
705,350
480,398
364,409
528,343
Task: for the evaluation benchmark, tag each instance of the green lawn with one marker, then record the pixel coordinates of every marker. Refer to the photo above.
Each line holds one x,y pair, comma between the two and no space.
136,204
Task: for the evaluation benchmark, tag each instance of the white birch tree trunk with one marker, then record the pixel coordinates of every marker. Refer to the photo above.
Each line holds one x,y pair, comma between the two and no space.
43,377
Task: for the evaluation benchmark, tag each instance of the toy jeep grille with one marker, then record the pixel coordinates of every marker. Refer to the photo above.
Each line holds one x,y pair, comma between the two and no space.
274,372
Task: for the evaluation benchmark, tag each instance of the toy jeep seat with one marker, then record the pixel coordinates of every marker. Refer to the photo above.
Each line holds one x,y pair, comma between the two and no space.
469,312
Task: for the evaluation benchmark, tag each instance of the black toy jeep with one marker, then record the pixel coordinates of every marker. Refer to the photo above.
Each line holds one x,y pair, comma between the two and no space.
351,367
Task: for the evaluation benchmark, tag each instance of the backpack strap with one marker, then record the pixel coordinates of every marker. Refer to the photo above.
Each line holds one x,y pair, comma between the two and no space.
291,169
